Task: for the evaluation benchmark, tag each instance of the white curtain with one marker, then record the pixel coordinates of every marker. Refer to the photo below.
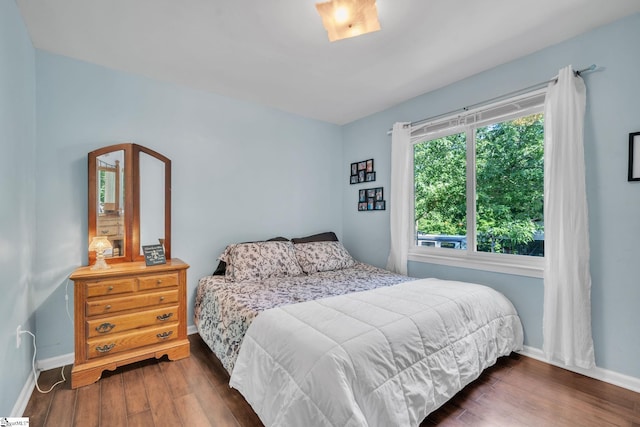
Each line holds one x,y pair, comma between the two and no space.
109,187
567,280
401,193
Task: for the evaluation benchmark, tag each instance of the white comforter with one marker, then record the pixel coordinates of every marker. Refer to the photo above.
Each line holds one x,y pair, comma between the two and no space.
385,357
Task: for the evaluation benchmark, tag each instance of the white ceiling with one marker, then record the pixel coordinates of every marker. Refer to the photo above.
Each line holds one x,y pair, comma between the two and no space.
276,52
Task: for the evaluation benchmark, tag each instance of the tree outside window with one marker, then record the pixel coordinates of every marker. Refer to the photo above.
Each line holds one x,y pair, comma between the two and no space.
507,193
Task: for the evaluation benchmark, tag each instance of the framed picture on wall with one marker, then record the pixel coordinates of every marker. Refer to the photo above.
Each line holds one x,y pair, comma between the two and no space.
371,199
379,194
361,171
380,205
634,157
369,165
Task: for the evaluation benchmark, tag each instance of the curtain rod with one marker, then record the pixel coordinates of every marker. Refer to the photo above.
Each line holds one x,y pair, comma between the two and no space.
540,85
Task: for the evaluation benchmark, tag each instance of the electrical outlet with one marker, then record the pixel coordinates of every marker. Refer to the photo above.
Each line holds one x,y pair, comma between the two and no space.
18,333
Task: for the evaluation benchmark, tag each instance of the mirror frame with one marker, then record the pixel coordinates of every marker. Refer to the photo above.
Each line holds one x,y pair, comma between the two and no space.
131,200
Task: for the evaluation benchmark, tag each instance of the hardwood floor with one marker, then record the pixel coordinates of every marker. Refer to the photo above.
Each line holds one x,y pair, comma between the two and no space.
517,391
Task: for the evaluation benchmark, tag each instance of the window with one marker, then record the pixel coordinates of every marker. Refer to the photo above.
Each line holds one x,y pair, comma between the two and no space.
479,188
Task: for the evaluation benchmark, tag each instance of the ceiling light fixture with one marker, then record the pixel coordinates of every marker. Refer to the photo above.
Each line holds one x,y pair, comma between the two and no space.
348,18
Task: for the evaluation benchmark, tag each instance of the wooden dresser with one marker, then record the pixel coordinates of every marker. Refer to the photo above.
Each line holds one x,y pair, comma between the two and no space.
128,313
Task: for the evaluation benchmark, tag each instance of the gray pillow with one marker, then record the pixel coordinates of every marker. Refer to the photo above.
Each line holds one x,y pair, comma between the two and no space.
328,236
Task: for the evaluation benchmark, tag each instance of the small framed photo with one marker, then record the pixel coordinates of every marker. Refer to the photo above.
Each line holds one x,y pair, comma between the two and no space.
362,206
154,255
370,176
379,194
354,168
362,165
380,205
361,176
370,203
634,157
353,179
362,197
371,193
370,165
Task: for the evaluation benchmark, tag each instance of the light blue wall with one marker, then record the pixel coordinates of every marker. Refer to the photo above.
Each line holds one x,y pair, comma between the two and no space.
17,200
614,204
239,172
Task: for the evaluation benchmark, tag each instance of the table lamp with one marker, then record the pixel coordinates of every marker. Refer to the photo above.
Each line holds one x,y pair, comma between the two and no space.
100,244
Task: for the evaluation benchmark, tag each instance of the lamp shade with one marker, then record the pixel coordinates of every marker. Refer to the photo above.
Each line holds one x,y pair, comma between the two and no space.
100,244
348,18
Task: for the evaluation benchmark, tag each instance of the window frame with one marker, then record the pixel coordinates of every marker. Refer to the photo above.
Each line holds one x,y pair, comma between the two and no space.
530,266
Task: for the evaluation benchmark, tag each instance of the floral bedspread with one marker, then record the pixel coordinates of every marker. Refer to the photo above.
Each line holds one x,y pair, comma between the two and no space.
224,309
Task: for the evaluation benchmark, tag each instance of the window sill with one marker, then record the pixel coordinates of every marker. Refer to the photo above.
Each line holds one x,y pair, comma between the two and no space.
507,264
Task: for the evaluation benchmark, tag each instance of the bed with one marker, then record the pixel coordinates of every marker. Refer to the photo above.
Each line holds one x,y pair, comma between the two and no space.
311,336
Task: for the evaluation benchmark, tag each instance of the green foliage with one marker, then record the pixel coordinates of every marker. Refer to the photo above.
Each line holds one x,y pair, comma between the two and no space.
440,182
102,180
509,184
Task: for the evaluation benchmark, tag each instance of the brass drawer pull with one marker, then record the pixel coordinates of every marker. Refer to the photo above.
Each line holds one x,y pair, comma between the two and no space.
105,348
161,298
110,288
107,307
164,335
164,317
105,327
159,281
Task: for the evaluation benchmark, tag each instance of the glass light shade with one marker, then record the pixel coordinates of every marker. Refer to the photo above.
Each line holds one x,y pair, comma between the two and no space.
100,244
348,18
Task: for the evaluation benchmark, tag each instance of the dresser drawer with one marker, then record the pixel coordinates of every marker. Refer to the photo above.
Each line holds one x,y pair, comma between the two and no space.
110,287
108,230
126,322
108,220
116,343
157,281
113,305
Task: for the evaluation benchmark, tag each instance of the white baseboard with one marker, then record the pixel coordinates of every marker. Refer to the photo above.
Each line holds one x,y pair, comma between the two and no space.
25,395
611,377
55,362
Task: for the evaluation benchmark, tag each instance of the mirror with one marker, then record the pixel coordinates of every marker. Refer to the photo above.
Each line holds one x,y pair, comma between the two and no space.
129,200
151,200
110,208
